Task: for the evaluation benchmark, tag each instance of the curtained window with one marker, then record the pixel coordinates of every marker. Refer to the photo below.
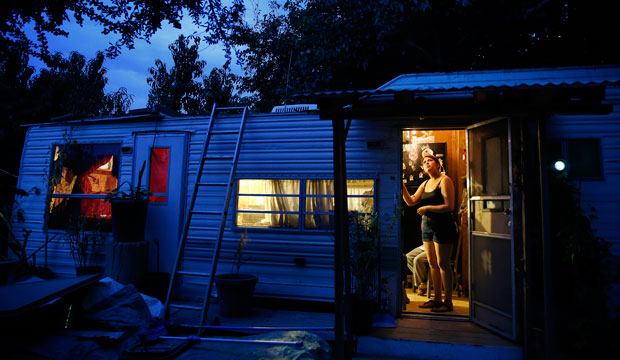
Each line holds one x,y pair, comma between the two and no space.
158,177
81,175
270,203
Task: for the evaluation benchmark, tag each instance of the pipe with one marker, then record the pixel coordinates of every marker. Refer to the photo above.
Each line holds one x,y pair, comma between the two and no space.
239,341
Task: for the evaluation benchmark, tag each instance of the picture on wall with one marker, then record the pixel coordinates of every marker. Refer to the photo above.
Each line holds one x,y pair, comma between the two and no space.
412,172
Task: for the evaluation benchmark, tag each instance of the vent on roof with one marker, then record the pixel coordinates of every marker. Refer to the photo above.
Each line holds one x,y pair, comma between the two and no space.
293,108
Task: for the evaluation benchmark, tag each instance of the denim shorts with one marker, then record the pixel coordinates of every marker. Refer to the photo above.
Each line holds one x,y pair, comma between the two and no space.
441,230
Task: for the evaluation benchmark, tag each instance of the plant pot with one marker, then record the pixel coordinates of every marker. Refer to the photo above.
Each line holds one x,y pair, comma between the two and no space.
235,292
362,311
129,219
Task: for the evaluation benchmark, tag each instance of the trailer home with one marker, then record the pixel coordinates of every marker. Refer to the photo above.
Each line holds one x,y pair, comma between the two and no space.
496,132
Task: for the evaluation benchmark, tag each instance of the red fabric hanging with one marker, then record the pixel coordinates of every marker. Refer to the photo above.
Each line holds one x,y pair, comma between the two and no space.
97,181
158,178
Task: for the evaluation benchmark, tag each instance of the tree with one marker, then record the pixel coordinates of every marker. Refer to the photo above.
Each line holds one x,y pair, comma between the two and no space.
354,44
129,19
75,86
184,88
178,89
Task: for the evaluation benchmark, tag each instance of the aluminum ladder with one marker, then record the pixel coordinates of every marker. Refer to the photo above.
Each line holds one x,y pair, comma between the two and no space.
210,156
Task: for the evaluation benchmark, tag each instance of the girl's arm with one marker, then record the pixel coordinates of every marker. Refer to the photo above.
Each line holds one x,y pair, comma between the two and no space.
412,200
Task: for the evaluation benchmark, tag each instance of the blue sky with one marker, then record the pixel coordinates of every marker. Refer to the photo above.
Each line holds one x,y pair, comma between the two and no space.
130,69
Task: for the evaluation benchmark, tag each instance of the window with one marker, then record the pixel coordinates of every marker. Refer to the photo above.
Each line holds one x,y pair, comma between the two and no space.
158,178
81,176
583,157
271,203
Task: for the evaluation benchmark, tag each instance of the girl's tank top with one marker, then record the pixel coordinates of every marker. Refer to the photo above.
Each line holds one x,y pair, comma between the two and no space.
434,198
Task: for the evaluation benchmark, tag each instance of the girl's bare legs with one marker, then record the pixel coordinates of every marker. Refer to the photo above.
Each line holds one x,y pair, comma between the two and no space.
444,255
435,270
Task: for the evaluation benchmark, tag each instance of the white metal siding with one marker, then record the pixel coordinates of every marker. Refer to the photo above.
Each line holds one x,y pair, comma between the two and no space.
603,195
287,146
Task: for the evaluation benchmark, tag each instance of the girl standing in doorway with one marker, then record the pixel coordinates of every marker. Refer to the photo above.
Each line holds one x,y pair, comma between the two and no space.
436,199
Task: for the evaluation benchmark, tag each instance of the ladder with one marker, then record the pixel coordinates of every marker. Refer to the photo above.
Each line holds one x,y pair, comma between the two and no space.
210,156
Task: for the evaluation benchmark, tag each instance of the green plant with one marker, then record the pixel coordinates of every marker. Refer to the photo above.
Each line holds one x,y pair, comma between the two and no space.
85,245
238,258
18,244
138,192
364,252
582,273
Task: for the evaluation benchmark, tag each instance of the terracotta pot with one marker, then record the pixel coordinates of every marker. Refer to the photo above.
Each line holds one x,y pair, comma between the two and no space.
235,292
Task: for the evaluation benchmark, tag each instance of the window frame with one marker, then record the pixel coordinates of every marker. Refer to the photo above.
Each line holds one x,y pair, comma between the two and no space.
302,202
52,195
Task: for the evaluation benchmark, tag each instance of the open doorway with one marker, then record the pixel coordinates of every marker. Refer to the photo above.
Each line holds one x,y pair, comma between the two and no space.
450,147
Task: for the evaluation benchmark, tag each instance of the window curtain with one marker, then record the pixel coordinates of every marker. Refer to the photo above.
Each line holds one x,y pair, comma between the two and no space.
96,181
283,203
320,204
158,178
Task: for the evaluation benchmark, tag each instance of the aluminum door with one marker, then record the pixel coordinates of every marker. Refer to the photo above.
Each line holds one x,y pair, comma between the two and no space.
492,289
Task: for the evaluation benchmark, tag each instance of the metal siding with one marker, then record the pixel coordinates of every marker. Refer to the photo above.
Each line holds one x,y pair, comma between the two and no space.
295,146
603,195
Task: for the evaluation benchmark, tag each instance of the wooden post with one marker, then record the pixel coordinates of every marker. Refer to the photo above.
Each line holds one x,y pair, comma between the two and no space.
343,349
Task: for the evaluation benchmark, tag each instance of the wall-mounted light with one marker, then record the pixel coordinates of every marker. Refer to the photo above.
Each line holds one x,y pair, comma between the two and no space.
559,165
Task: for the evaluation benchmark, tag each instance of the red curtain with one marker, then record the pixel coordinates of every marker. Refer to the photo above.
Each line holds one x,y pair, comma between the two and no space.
158,179
97,181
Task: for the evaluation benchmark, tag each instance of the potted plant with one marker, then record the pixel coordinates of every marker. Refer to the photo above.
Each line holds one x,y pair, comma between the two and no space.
364,261
235,290
129,209
85,244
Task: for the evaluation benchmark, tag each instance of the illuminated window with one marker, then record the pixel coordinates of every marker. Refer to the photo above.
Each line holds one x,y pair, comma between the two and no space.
275,203
158,178
81,176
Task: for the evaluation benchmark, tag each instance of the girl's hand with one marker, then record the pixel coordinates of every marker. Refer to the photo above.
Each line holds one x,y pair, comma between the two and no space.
422,210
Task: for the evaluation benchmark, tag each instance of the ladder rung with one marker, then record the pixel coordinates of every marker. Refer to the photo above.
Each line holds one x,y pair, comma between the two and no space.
213,184
199,212
193,273
186,307
218,157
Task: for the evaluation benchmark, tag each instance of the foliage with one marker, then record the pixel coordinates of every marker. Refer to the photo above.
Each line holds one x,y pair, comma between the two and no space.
76,86
85,244
137,192
582,272
184,88
130,20
319,45
18,244
238,257
364,241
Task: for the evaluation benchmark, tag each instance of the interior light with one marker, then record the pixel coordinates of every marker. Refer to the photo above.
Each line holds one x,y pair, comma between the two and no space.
559,165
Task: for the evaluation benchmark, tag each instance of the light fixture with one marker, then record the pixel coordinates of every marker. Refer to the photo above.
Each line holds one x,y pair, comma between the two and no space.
559,165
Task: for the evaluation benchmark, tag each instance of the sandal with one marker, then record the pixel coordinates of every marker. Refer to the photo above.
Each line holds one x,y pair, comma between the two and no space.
421,291
443,307
431,304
